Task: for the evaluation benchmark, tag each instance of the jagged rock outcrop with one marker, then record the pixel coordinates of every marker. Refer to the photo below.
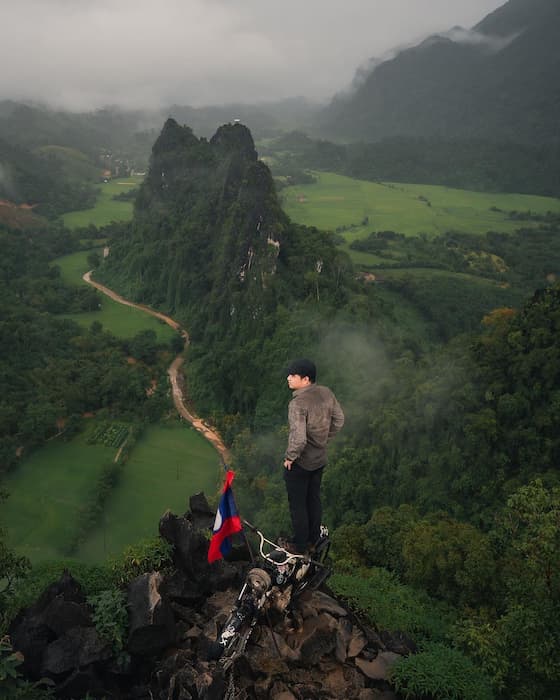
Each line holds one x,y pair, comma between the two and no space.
318,649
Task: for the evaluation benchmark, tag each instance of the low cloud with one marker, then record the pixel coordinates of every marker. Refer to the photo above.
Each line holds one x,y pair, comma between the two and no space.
459,35
355,361
82,54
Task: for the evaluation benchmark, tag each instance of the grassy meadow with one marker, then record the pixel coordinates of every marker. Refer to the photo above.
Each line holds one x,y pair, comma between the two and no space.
168,464
46,492
106,208
122,321
359,207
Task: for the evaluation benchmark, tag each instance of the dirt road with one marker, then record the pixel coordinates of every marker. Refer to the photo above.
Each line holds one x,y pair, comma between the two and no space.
174,373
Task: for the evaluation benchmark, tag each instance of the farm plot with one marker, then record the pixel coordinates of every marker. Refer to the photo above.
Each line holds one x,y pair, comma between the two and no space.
46,493
168,465
357,207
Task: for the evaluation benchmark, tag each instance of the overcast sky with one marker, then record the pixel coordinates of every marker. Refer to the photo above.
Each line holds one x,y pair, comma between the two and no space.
82,54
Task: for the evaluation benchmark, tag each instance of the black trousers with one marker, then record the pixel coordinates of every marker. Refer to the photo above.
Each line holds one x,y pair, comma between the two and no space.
304,498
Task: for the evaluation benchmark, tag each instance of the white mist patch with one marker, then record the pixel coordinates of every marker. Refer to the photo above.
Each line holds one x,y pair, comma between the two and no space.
357,361
7,188
460,35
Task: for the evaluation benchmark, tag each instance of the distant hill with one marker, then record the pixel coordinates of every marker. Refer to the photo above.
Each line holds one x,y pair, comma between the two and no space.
264,119
133,132
35,125
40,182
499,80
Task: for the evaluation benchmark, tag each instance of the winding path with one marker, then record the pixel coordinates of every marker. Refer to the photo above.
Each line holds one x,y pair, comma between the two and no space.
174,373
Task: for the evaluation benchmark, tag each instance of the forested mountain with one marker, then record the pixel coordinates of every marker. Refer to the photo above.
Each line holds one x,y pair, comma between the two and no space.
32,126
210,243
498,81
39,181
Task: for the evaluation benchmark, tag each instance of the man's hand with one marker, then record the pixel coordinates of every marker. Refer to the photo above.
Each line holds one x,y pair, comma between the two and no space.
288,464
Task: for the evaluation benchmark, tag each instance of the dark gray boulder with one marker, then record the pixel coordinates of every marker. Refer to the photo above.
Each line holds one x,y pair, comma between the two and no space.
202,515
61,607
151,621
77,648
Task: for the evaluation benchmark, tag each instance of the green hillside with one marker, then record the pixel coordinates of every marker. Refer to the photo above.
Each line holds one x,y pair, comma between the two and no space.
442,347
75,164
456,85
46,493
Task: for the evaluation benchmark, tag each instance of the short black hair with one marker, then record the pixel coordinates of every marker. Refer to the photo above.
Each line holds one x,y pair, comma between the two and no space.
304,368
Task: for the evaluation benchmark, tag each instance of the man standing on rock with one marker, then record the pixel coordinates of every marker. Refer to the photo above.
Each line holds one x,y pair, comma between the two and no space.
314,416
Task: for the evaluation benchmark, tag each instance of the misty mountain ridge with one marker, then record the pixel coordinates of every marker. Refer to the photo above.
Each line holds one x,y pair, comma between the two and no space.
497,80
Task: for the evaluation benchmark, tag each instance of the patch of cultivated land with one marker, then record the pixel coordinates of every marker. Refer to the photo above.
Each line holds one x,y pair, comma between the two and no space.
122,321
106,208
47,490
167,466
336,201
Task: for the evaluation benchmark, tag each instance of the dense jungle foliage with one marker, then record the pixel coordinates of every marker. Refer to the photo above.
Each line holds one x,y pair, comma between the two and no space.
52,370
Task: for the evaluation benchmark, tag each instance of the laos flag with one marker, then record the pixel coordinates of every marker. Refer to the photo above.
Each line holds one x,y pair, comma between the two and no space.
227,522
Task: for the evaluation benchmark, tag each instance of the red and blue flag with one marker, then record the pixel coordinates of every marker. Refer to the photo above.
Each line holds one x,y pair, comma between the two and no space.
227,522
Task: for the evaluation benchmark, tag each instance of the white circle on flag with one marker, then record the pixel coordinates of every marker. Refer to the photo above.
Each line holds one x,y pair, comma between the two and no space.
218,521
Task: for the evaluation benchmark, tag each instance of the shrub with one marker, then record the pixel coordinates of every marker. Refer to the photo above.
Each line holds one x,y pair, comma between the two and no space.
481,639
149,555
110,616
390,605
439,672
92,578
451,560
384,534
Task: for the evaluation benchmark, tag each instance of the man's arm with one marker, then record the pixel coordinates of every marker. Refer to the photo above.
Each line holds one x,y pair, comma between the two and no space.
297,438
337,419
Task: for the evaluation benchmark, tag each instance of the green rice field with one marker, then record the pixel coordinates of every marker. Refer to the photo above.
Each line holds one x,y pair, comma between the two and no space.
122,321
46,491
106,208
168,464
336,201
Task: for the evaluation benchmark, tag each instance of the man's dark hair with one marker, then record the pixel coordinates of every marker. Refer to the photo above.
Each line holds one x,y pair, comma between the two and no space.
303,367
